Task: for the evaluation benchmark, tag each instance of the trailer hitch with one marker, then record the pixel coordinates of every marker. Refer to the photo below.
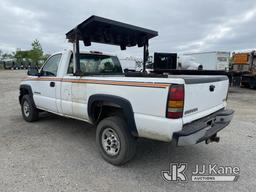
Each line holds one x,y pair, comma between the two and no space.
213,138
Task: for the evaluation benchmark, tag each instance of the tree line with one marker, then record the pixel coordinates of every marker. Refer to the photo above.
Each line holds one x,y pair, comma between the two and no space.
35,55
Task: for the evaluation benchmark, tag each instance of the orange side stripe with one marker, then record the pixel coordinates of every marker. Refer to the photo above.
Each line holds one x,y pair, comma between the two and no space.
104,82
44,79
142,84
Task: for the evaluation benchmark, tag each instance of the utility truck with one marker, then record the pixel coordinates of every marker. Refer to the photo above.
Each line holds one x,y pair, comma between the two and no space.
124,106
244,64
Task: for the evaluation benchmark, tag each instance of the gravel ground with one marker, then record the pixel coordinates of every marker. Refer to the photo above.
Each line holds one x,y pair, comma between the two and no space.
59,154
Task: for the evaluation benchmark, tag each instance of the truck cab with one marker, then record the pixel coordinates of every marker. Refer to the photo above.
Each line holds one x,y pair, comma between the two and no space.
55,91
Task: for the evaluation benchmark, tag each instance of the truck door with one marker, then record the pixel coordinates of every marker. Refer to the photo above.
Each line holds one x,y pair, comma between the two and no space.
73,94
44,89
66,88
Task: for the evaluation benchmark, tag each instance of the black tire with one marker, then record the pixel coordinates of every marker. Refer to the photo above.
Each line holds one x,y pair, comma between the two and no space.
127,142
31,114
252,86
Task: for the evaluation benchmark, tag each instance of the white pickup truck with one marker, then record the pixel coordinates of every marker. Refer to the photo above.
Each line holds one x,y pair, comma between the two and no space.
185,108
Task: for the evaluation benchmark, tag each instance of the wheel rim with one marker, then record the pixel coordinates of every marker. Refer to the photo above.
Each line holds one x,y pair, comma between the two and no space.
26,108
110,142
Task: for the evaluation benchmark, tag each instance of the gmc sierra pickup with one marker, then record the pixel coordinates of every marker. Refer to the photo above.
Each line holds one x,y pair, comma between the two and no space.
185,108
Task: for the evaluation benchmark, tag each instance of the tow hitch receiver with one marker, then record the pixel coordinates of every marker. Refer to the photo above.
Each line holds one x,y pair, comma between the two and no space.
213,138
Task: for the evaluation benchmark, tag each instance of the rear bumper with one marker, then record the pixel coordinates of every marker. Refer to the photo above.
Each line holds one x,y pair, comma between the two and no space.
203,129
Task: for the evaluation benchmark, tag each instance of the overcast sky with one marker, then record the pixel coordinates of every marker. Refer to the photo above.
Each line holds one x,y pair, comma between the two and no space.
183,26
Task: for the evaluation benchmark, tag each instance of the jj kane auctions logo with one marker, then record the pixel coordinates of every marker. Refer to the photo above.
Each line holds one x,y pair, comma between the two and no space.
201,173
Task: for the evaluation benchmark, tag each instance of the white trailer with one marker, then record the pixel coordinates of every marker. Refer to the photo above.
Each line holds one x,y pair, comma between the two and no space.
215,60
128,63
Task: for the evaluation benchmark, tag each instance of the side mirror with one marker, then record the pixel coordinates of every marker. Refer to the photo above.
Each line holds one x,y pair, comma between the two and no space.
32,71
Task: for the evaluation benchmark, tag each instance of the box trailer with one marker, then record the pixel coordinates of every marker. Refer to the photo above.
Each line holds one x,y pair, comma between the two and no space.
216,60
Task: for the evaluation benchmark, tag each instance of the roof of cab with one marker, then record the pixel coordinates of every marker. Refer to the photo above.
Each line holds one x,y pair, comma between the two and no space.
106,31
87,52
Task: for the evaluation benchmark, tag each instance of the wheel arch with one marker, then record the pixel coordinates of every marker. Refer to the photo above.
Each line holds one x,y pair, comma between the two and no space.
113,101
26,90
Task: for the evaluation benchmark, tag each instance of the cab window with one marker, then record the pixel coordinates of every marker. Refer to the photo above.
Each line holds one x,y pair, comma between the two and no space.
50,68
97,64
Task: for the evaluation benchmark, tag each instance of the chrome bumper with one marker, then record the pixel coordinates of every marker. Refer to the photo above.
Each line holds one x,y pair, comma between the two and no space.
204,129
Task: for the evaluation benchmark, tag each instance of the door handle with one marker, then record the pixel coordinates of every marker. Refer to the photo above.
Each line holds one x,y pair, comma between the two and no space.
212,87
52,84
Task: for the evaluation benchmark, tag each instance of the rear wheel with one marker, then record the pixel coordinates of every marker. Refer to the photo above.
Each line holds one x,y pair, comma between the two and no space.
29,111
114,141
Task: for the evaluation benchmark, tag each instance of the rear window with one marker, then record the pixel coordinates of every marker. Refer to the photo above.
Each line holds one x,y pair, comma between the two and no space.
97,64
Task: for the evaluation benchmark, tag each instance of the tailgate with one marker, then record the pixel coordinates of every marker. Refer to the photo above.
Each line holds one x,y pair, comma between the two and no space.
204,95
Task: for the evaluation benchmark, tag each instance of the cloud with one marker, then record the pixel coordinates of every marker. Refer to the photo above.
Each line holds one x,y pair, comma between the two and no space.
198,25
227,29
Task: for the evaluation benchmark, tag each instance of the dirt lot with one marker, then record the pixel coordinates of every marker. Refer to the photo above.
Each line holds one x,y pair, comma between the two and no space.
59,154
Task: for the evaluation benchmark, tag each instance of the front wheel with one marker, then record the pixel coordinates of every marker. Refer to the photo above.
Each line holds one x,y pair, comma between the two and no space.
115,143
29,111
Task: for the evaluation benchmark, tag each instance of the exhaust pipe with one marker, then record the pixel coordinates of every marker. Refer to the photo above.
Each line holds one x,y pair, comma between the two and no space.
213,138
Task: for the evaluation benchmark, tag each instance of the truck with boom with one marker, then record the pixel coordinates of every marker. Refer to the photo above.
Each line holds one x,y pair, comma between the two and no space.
124,106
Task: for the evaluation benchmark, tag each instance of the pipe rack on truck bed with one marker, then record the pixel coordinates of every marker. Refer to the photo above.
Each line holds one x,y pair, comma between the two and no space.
101,30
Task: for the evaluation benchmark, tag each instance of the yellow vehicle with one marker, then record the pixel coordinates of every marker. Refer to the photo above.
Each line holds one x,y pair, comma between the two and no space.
246,64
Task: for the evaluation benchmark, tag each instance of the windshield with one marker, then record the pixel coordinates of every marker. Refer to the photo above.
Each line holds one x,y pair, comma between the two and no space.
97,64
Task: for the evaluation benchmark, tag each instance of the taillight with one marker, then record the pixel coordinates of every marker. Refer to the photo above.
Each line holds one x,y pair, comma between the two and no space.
175,102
